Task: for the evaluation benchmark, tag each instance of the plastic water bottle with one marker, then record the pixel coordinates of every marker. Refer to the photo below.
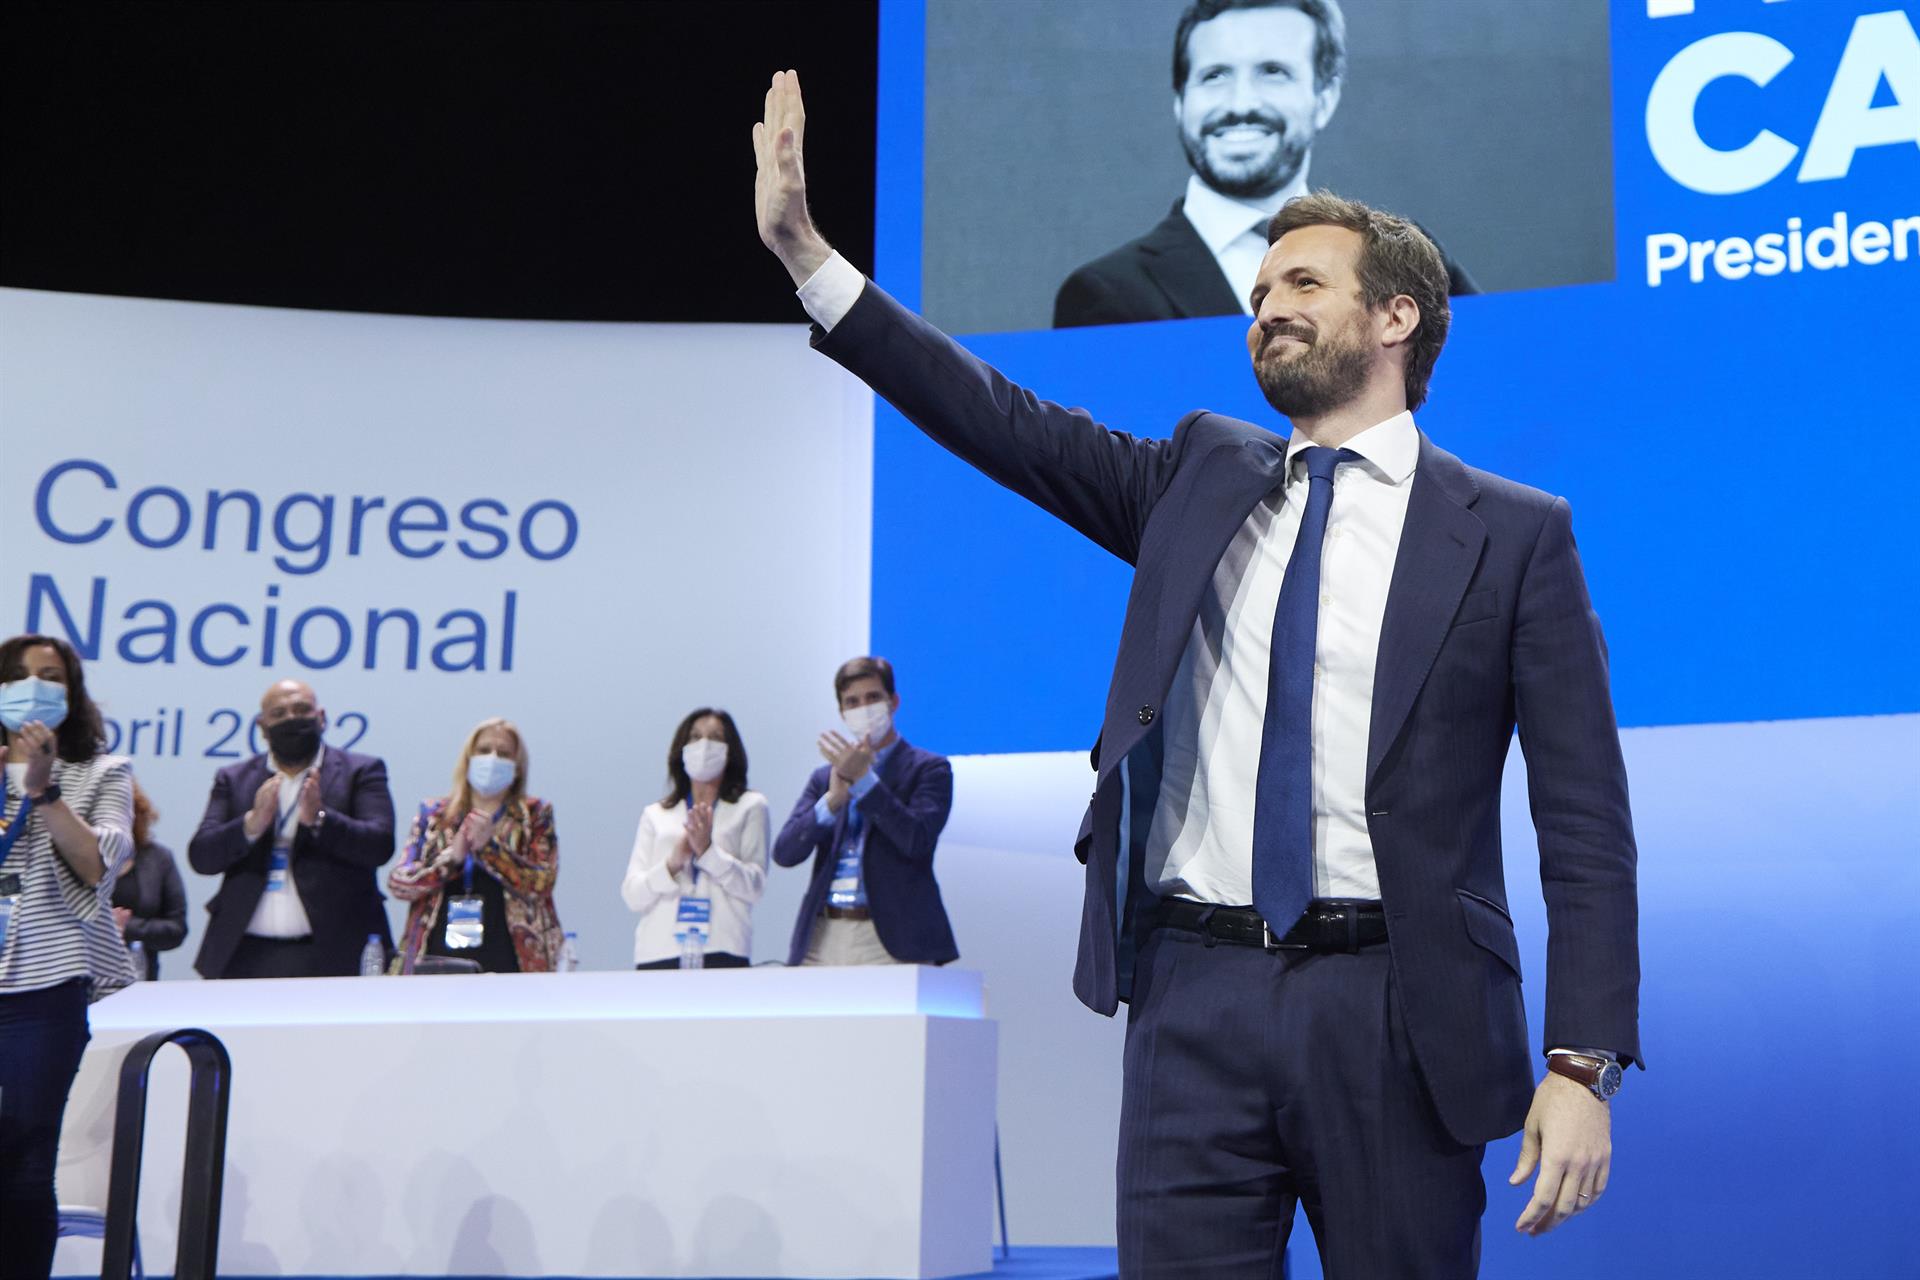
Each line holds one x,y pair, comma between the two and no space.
137,952
570,953
693,949
373,958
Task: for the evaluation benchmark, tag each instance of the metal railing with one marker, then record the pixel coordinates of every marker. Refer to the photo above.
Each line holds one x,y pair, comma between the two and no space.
201,1170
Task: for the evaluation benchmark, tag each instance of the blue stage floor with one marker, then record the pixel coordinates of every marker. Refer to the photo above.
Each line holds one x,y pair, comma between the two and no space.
1055,1264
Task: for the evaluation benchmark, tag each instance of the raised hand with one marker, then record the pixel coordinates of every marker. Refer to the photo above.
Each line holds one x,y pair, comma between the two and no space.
780,181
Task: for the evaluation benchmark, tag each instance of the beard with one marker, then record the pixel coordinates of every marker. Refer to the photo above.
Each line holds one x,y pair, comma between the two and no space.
1254,178
1330,372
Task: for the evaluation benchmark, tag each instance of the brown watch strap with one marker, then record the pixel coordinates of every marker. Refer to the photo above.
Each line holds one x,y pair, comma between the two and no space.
1581,1068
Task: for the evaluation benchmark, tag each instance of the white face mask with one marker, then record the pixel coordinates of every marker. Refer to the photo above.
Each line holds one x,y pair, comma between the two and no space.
704,759
872,722
489,774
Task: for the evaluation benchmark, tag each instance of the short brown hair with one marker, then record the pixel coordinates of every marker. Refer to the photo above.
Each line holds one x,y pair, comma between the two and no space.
1396,257
1329,36
859,668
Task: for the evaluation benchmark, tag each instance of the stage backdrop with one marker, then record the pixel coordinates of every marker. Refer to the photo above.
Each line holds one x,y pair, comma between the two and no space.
1699,222
588,529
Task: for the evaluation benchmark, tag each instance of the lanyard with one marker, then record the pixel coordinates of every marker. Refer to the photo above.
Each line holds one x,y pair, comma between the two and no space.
18,825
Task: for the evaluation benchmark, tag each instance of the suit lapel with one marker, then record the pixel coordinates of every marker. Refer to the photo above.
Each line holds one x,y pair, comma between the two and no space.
1440,547
1180,263
332,792
1215,511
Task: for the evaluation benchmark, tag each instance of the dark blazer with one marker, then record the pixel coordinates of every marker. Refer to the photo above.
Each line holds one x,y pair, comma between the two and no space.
907,808
333,867
1166,274
150,887
1487,625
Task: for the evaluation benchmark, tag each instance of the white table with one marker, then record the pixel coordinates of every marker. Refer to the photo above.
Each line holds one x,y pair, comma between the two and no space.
756,1122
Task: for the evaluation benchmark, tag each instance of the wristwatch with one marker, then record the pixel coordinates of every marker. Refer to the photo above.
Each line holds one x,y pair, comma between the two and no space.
50,794
1600,1075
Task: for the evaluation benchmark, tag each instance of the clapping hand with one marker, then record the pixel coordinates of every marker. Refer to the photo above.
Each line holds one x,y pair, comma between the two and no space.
850,759
266,809
35,743
476,832
308,806
699,828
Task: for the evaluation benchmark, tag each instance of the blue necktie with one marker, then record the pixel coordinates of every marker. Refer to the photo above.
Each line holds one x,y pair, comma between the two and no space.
1283,798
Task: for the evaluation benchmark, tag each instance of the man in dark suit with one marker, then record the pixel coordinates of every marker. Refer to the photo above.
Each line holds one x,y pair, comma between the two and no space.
1293,848
870,818
296,833
1254,83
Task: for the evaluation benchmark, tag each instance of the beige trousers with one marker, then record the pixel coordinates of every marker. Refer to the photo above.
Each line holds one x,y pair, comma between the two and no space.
846,942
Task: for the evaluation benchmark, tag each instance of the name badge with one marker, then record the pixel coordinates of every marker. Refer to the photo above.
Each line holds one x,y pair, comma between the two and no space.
694,917
9,899
844,889
277,872
464,928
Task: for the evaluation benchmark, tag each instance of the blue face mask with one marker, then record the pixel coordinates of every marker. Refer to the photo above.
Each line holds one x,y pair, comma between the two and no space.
490,775
24,701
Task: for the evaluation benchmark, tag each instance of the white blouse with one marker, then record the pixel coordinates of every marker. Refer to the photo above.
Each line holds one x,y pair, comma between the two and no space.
732,873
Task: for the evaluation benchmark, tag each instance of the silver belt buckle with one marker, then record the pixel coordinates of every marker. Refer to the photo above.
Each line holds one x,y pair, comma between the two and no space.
1270,943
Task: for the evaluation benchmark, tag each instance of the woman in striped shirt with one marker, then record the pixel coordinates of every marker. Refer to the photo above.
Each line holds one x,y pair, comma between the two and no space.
67,818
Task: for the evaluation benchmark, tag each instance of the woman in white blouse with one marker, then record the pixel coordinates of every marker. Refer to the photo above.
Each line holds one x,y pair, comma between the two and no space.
700,857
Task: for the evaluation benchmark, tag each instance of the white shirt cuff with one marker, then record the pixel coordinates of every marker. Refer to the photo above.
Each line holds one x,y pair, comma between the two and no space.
830,292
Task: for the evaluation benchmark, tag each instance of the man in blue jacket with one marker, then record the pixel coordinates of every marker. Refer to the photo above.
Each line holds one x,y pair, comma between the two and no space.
869,819
1293,865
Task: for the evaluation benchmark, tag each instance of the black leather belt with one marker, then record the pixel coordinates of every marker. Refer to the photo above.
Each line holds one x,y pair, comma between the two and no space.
1328,924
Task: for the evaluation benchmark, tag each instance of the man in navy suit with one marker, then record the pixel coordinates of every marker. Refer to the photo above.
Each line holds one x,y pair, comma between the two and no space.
1293,868
296,834
870,818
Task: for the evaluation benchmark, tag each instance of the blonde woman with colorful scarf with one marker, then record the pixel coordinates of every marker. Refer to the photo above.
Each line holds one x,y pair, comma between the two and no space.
480,863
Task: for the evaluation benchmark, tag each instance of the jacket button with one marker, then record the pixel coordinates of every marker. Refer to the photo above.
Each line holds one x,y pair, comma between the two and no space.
1146,715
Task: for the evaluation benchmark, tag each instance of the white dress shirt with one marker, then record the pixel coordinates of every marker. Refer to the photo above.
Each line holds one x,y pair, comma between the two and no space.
1201,842
732,873
281,914
1236,230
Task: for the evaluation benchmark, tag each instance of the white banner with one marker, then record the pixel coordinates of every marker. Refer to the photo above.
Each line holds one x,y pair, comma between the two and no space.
589,529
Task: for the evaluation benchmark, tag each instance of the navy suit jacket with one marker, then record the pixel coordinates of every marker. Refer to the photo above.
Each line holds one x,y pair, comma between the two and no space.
1166,274
906,809
1487,625
333,867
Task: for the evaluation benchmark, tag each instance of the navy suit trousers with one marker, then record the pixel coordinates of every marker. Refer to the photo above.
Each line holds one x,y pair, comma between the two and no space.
1259,1081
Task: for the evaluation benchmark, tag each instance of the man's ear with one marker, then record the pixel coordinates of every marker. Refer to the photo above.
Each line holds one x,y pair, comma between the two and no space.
1324,103
1399,320
1176,110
